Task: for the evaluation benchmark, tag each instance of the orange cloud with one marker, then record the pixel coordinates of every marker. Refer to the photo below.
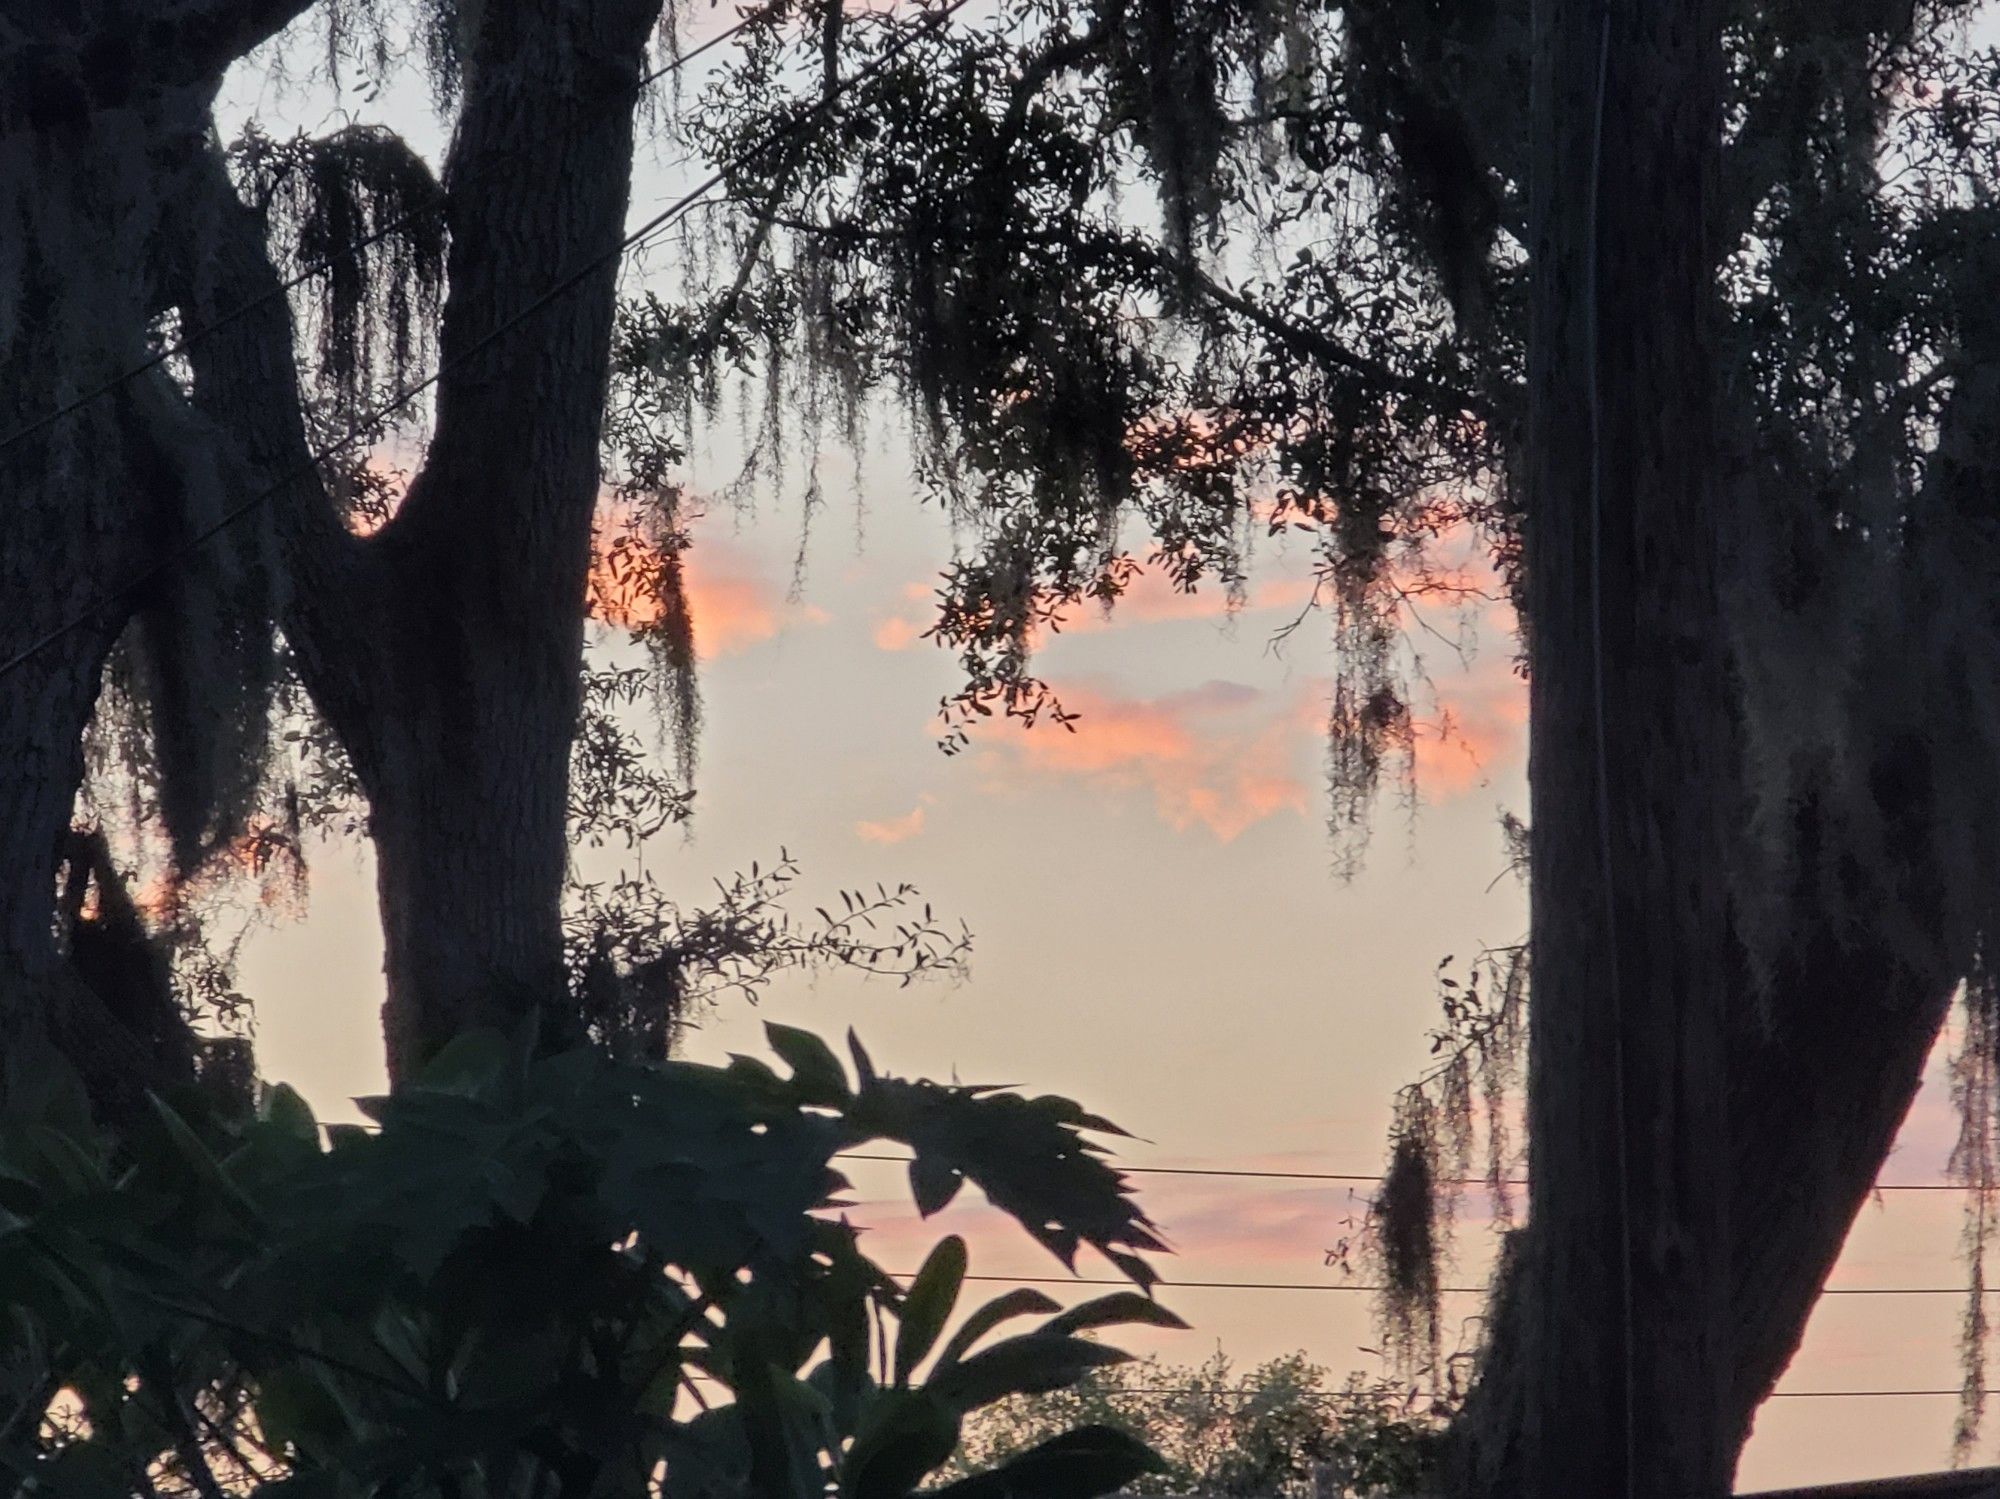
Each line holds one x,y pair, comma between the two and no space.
732,610
893,829
897,633
1481,728
1215,757
732,602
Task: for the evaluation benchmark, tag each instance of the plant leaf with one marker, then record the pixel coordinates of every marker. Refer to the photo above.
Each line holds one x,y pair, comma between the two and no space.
933,1183
1032,1364
816,1071
469,1063
933,1293
1118,1307
1023,1301
1079,1464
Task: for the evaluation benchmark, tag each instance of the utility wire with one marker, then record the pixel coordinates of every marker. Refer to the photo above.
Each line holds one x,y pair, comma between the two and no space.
1370,1397
1366,1397
932,22
1348,1286
1361,1176
381,232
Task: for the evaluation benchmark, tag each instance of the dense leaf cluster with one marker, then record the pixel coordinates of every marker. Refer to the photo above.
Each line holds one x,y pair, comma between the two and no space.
1281,1430
541,1275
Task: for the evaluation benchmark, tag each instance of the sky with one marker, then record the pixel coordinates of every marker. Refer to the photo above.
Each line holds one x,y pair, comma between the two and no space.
1160,930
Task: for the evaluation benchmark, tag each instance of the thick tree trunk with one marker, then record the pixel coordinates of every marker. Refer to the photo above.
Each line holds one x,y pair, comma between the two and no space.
1822,1071
488,556
1623,1366
1769,1147
470,845
445,650
77,498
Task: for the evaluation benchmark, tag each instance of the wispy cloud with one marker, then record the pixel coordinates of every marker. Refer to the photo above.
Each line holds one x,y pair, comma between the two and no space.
1220,756
893,829
1479,727
732,598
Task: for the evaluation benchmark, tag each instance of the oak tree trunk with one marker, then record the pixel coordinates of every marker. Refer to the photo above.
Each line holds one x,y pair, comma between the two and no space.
81,500
445,650
1716,1132
1622,1367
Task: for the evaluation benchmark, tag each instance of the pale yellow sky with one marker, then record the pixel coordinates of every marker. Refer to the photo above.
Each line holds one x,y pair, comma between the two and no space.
1160,934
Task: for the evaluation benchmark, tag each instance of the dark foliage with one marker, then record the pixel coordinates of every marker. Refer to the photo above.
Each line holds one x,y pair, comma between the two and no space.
556,1275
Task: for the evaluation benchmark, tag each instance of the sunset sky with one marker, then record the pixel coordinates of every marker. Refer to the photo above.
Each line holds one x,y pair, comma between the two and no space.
1160,932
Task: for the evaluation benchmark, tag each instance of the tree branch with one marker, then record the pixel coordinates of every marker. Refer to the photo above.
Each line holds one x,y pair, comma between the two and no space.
52,71
195,41
1300,338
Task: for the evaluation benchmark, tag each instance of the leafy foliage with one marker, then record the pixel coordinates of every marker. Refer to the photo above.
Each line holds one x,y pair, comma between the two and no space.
562,1275
1276,1431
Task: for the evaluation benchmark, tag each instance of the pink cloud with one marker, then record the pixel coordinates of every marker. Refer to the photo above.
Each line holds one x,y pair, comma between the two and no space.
732,612
732,600
893,829
1480,728
897,633
1216,756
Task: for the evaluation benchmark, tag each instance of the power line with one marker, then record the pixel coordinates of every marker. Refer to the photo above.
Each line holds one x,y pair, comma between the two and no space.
380,233
1366,1397
1352,1287
1370,1397
1359,1176
932,22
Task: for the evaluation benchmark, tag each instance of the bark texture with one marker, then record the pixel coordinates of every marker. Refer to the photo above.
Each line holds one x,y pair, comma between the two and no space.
1619,1369
1720,1129
445,649
83,499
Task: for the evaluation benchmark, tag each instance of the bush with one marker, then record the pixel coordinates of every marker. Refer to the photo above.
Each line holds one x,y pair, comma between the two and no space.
541,1276
1280,1430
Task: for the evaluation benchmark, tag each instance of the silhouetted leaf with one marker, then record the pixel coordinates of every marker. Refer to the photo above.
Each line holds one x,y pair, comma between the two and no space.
903,1436
1030,1364
1120,1307
1079,1464
1022,1301
933,1183
469,1063
933,1294
816,1071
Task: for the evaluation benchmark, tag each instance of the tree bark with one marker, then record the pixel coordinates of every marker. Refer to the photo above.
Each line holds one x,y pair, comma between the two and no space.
1755,1116
1623,1366
82,497
490,551
445,650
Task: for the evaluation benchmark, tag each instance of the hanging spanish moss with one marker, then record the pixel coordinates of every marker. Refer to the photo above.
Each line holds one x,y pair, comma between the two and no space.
1451,1126
364,213
638,581
963,241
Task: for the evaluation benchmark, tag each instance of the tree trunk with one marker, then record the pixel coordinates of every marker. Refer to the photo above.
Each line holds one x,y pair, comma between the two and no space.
1812,1117
1775,1083
446,649
79,496
469,828
1623,1366
487,558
